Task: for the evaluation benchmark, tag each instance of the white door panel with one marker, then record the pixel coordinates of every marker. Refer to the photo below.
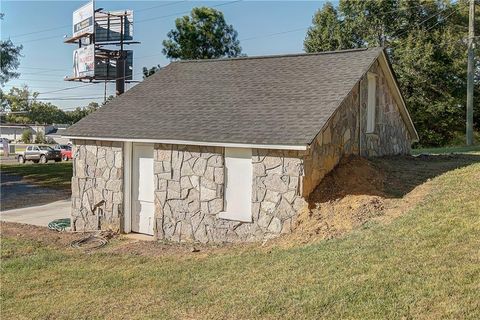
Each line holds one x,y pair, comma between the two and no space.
142,189
238,184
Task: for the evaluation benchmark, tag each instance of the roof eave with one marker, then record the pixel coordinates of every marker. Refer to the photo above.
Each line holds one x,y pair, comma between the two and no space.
300,147
403,107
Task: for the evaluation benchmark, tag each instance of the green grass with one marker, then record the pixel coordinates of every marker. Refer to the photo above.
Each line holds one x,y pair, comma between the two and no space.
21,147
425,264
458,149
55,175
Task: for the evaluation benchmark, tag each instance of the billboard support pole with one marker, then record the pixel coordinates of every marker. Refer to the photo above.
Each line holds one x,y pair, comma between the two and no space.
120,81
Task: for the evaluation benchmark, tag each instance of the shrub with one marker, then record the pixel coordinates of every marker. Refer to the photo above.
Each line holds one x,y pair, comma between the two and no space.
40,138
27,136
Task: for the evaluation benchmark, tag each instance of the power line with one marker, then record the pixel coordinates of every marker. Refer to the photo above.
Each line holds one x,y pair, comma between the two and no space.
45,73
39,39
69,25
274,34
139,21
402,9
431,27
69,88
51,80
85,85
62,27
67,98
60,89
60,98
425,20
38,79
444,18
160,6
36,68
43,87
244,39
185,12
40,31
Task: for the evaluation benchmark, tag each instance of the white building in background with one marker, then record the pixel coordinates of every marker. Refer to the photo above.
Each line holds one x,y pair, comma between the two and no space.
13,131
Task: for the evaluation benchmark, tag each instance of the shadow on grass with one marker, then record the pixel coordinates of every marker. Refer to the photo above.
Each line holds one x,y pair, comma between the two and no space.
403,174
388,177
52,175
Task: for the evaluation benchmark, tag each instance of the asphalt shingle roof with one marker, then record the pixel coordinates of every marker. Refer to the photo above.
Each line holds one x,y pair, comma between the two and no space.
280,100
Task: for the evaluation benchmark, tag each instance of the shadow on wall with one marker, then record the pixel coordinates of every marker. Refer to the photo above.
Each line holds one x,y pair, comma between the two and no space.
388,177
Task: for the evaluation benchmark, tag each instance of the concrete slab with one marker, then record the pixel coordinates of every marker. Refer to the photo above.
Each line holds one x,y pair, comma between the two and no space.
38,215
139,236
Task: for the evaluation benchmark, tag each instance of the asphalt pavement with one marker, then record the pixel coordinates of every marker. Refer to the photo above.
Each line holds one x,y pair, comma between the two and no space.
38,215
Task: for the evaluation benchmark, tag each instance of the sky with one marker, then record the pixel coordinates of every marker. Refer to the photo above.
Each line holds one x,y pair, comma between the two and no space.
264,28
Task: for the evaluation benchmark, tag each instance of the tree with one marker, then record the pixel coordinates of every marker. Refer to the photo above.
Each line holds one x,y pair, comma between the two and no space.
148,72
26,136
424,41
46,113
202,35
40,137
9,59
19,102
25,108
79,113
327,32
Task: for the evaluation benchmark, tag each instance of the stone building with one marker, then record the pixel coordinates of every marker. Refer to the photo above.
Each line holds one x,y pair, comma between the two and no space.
228,149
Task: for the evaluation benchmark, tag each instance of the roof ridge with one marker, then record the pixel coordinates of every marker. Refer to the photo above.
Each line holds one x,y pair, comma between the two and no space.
288,55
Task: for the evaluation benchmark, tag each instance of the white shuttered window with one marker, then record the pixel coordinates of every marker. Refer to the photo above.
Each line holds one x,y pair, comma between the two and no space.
372,102
238,185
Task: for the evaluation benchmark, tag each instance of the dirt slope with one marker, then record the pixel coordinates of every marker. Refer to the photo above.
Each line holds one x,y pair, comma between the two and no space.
361,190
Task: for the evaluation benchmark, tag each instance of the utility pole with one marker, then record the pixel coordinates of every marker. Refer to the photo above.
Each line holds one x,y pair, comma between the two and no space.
470,72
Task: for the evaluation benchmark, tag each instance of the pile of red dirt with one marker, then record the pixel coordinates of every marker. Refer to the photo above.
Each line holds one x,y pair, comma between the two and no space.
348,197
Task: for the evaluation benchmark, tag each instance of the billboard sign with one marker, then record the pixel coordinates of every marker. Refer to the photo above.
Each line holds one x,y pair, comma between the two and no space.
106,69
83,20
108,26
84,62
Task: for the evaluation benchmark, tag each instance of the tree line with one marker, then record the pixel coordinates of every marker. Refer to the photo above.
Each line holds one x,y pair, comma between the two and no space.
24,107
425,41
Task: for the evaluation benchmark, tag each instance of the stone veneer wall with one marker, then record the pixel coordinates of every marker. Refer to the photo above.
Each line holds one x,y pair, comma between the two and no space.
97,181
277,190
189,194
344,134
338,138
391,136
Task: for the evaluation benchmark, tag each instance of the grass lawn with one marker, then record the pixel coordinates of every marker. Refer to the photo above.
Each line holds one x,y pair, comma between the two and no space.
55,175
423,265
458,149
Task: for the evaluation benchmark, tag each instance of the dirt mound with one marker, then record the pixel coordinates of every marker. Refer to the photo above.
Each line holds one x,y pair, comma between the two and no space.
348,197
353,176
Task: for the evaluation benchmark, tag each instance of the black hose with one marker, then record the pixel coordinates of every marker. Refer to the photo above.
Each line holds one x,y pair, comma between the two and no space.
90,242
